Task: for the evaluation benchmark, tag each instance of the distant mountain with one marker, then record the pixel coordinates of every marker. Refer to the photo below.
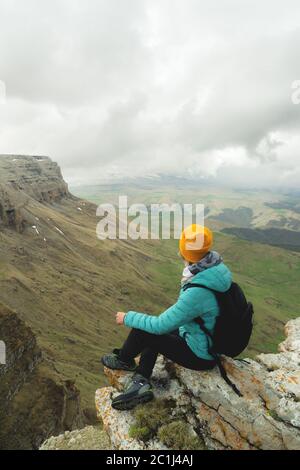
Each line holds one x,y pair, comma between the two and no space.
25,178
224,207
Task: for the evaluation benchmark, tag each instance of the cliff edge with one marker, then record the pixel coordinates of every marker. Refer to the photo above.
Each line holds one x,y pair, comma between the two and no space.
23,179
35,402
203,405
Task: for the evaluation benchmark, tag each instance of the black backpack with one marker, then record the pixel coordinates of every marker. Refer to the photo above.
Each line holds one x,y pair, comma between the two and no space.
233,326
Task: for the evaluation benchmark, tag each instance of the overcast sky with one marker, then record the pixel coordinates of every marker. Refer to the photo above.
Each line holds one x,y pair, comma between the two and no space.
135,87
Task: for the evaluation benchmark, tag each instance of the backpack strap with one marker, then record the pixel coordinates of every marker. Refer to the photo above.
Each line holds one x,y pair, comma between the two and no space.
225,376
215,355
193,284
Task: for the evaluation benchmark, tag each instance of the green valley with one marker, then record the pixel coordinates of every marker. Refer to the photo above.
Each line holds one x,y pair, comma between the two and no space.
67,285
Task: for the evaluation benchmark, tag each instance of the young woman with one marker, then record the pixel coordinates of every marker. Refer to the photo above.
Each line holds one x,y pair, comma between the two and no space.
175,333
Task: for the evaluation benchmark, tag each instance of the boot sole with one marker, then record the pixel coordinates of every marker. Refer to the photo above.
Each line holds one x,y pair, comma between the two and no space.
130,404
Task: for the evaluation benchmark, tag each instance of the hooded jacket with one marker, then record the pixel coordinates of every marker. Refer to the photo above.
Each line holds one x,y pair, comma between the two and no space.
191,304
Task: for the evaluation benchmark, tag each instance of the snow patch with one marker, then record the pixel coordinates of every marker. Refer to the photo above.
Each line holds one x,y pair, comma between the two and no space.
59,231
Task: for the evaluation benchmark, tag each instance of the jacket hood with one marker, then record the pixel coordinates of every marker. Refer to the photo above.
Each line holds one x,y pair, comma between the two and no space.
217,277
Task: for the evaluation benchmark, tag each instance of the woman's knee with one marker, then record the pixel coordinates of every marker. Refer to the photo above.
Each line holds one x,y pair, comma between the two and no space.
147,338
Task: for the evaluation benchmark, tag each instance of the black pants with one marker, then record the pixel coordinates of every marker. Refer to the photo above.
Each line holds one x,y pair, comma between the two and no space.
172,346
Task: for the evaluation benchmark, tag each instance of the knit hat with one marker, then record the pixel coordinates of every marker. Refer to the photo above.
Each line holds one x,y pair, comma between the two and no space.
195,241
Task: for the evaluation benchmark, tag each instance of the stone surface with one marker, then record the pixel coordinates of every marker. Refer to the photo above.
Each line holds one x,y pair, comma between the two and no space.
292,332
266,417
115,423
88,438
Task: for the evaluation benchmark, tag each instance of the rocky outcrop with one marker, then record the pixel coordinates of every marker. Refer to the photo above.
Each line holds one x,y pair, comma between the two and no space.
22,354
35,404
23,178
12,209
88,438
266,417
39,177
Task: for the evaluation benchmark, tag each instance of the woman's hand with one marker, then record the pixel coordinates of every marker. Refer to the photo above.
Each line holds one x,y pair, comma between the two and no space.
120,318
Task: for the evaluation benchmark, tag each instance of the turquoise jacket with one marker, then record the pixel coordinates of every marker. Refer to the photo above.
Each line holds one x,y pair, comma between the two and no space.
190,304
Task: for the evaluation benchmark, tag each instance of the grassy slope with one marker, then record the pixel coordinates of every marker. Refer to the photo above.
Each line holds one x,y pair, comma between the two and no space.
69,287
269,275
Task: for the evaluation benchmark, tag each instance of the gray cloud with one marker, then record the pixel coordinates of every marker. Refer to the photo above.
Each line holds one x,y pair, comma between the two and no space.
153,86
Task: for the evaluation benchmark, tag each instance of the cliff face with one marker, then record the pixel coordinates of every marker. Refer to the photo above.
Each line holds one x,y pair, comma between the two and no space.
23,178
266,417
38,177
22,355
34,403
35,400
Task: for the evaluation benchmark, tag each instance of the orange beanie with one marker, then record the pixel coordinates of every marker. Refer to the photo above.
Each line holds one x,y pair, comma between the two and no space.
195,242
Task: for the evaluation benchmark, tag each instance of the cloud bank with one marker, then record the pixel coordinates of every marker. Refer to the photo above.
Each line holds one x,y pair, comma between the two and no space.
192,88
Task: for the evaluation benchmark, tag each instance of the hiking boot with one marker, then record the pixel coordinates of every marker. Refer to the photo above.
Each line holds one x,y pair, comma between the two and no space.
112,361
138,390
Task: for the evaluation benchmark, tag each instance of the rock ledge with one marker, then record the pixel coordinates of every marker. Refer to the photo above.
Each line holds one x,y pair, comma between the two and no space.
266,417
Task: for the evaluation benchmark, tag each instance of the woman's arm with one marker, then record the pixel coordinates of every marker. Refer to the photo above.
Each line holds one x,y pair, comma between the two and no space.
184,311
